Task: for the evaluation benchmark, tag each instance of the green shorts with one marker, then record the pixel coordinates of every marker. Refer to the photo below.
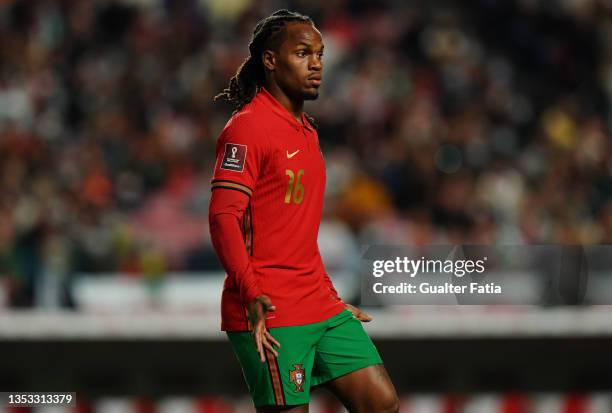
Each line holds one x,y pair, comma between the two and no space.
309,355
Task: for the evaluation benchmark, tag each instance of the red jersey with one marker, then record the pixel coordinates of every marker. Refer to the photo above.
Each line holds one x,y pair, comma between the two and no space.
266,154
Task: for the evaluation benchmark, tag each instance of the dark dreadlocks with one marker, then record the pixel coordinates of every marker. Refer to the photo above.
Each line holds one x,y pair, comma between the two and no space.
250,77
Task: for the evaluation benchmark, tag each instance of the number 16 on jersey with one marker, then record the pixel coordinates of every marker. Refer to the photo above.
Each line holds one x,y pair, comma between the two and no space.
294,187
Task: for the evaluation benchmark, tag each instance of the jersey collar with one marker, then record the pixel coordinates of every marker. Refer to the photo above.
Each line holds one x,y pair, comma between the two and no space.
270,101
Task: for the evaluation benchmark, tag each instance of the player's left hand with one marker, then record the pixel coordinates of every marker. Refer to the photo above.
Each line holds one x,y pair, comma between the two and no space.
358,314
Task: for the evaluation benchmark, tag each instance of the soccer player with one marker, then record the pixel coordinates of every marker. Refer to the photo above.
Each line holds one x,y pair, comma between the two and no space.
289,329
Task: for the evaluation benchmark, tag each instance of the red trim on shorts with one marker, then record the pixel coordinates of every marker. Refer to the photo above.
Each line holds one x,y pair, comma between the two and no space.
275,378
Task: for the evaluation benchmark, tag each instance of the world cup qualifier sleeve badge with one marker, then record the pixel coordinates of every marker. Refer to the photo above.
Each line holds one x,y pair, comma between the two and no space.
234,157
297,376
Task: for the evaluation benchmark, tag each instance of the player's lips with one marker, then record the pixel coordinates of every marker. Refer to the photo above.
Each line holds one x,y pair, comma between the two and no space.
315,80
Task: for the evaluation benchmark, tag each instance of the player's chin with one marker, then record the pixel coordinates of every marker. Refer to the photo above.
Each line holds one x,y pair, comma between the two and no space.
311,93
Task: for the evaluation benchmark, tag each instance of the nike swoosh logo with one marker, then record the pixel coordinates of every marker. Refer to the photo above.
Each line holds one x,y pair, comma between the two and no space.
291,155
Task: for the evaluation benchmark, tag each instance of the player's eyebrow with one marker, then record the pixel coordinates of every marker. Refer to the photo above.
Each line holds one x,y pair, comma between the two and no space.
308,45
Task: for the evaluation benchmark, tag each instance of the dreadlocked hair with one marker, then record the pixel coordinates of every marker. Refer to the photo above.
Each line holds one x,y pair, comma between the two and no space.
250,77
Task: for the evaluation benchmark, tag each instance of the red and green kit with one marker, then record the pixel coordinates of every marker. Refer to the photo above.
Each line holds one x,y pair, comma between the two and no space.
274,170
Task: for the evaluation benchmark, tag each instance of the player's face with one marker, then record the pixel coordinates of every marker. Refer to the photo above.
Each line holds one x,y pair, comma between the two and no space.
299,65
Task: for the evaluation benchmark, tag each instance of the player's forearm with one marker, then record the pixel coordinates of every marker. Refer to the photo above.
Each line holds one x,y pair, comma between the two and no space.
229,245
227,239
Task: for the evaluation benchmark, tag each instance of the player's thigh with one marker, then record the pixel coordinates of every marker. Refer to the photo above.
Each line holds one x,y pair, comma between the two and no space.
348,364
367,390
345,347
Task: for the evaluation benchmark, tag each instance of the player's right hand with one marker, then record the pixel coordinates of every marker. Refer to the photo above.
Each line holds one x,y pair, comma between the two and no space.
257,314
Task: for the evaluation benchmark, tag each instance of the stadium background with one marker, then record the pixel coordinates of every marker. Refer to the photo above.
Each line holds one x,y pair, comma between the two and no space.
479,122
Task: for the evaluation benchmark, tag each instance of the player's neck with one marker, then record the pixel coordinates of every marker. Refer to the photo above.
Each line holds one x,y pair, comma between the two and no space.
293,107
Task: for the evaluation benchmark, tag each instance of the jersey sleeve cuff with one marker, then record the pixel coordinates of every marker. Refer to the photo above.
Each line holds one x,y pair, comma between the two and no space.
250,293
227,184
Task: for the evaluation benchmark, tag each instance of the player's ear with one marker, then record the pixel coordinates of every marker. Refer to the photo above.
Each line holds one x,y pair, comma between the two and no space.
269,59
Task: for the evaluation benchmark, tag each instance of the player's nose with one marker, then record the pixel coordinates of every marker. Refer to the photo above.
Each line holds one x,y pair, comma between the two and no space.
315,63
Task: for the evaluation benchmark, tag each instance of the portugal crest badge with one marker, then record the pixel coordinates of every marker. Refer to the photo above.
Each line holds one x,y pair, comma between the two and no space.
297,376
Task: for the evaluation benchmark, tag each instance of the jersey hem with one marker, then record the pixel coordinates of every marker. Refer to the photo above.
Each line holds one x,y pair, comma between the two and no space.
229,328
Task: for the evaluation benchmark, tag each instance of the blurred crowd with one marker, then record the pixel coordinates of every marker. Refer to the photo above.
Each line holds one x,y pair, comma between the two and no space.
477,121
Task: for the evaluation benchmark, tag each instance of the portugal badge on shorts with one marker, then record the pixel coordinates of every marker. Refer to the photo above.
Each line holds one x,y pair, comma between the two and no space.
297,376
